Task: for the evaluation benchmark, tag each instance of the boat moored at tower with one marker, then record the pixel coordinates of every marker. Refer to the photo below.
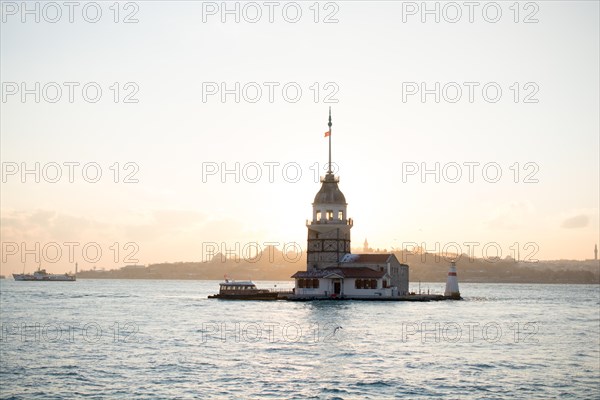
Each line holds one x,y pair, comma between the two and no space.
243,290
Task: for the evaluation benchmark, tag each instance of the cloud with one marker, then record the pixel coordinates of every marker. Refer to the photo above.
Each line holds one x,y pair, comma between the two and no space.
165,223
44,225
511,216
577,221
156,235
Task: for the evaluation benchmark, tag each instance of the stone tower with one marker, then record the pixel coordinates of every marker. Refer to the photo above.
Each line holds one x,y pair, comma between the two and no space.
329,230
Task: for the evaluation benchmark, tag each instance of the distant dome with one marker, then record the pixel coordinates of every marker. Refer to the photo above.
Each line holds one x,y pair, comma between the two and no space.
330,193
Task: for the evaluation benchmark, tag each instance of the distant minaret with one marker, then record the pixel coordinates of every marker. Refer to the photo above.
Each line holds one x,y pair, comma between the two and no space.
452,283
366,246
596,252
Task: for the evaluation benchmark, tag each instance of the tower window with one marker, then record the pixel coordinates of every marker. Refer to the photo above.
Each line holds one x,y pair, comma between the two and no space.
329,215
318,215
341,215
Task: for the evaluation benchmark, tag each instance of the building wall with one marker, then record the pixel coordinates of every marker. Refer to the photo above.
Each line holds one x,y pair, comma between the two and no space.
398,278
350,290
399,275
327,245
323,208
403,281
325,285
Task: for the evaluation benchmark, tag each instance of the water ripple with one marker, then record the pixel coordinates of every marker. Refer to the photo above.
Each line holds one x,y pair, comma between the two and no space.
148,339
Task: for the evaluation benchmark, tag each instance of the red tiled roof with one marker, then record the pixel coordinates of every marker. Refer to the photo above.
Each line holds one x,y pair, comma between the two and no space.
344,272
310,274
370,258
361,272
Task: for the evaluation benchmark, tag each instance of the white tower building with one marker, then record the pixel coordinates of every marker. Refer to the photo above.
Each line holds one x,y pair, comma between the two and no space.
452,282
332,271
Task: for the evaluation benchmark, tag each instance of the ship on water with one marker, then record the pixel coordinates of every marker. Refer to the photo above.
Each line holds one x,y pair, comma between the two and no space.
42,275
244,290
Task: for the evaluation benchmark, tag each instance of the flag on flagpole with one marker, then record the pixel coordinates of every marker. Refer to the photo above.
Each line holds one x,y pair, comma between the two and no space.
328,133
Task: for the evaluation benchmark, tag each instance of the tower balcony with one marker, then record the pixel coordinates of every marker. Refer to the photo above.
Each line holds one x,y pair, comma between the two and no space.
348,222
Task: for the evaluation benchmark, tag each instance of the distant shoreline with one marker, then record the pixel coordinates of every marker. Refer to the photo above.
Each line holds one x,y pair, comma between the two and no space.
428,267
291,281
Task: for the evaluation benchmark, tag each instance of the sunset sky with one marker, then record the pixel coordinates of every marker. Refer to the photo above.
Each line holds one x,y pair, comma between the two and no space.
177,130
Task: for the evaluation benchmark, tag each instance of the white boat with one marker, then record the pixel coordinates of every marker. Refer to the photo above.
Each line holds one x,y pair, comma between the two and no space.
243,290
42,275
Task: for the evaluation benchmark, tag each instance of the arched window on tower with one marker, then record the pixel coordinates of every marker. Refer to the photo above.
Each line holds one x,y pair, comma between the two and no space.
318,215
340,215
329,215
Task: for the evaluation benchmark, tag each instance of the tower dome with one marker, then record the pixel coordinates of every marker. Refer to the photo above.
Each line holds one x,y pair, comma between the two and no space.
330,193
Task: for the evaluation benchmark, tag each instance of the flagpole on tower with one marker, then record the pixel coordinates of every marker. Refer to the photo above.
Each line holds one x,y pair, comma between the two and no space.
329,171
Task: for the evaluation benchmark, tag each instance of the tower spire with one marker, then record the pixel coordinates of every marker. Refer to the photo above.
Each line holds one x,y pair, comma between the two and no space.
329,124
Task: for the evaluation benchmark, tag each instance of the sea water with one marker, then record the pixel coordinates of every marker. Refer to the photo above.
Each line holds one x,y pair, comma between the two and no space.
165,339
